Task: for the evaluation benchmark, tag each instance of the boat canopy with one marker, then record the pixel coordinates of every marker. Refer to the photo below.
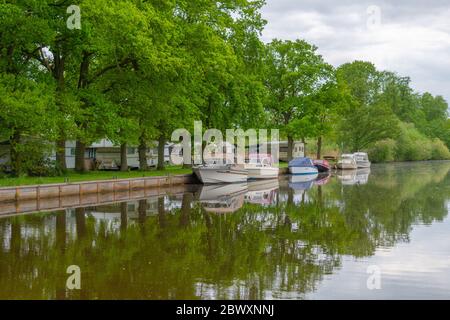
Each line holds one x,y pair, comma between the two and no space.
301,162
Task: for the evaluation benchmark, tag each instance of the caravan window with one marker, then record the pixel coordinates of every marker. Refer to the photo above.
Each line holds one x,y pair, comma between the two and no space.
131,150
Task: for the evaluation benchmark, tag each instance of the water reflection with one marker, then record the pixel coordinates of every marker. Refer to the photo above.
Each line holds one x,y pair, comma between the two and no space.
352,177
268,239
226,198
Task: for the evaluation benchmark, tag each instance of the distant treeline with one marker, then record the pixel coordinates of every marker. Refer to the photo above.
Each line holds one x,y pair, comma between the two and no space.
136,70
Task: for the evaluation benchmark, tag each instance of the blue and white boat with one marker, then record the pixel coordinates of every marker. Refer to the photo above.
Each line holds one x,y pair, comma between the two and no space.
302,166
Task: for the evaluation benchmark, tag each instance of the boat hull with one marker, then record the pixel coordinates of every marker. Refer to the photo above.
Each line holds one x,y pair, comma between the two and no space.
303,170
322,168
262,172
363,164
217,175
322,165
347,166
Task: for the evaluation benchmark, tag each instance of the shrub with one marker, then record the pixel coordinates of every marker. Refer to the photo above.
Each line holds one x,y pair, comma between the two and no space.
383,151
439,150
412,145
35,159
44,168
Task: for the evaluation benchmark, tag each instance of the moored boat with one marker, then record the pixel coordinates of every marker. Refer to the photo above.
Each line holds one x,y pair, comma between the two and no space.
302,166
347,162
216,173
260,166
322,165
362,160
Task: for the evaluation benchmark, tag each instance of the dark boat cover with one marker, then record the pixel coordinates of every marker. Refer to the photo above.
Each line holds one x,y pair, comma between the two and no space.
301,162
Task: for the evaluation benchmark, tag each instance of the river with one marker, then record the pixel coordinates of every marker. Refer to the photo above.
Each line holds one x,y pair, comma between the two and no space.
382,233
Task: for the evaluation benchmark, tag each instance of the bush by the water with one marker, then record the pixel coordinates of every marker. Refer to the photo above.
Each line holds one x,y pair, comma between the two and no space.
383,151
410,145
439,150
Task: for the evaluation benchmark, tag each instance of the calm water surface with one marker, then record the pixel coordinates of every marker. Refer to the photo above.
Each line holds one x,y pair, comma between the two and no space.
286,239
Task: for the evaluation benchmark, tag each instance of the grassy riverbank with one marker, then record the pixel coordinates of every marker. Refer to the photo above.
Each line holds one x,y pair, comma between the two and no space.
72,176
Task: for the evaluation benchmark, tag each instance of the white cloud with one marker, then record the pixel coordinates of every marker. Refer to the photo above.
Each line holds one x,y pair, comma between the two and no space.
412,40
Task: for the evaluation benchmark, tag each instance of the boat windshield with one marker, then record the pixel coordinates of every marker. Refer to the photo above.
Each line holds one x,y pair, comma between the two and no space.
361,157
263,159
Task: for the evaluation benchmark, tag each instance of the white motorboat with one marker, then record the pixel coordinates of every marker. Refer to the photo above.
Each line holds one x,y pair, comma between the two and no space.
216,173
303,166
260,166
347,162
362,160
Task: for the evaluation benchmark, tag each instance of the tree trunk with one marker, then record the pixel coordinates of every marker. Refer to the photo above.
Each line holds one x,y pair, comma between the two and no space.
185,209
82,83
161,213
123,216
290,147
61,154
319,147
142,154
320,197
161,144
80,221
80,149
16,159
142,211
123,157
16,237
58,75
60,231
290,197
304,146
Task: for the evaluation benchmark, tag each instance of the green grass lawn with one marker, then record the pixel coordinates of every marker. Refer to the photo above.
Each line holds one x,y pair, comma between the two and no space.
90,176
283,165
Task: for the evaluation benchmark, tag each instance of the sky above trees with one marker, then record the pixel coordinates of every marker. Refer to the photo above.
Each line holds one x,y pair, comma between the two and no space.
413,37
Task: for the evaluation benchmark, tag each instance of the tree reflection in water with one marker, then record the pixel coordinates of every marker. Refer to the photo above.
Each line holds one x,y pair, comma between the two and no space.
278,243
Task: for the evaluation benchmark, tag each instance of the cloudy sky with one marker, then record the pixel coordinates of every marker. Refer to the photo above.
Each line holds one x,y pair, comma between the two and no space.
410,37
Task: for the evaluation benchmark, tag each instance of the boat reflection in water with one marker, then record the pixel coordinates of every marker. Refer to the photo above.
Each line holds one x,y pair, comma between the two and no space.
262,192
228,198
354,177
302,182
222,198
322,179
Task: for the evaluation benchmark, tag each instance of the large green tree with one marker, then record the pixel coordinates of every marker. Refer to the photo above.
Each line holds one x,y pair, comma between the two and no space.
294,73
366,118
